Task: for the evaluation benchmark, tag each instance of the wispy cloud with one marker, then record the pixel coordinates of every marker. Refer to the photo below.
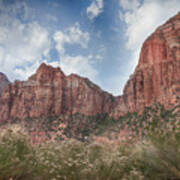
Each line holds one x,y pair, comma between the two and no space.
82,65
95,8
129,4
143,19
21,44
72,35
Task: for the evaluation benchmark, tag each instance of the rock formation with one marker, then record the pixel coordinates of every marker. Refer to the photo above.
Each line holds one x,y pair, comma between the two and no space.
3,82
157,75
50,93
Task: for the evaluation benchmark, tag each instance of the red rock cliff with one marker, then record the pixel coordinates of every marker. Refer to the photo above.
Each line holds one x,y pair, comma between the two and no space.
50,93
3,82
157,75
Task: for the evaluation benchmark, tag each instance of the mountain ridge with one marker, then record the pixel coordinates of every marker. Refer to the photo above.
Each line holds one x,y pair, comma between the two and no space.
49,92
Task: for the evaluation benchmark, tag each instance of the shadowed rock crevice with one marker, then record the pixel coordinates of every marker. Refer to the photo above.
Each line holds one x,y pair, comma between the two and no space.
4,82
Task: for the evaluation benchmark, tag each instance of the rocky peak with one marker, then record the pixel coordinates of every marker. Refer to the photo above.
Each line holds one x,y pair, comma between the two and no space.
163,41
50,93
47,73
157,75
44,68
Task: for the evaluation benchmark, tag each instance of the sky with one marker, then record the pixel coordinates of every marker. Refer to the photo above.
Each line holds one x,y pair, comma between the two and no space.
98,39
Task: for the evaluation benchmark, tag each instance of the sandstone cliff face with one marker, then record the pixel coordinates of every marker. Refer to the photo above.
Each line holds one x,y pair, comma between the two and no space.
50,93
3,82
157,75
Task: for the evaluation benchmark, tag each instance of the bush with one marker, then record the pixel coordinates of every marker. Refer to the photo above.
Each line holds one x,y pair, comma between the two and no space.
155,157
159,156
17,156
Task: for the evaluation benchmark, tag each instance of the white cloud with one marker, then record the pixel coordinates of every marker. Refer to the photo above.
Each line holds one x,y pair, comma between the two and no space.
24,46
21,44
82,65
115,84
143,20
95,9
78,64
129,4
16,8
27,71
73,35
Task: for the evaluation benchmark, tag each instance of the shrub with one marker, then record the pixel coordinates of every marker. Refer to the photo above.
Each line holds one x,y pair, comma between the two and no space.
156,157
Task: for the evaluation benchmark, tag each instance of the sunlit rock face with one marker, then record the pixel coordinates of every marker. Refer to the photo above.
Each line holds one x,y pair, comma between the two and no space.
157,75
49,92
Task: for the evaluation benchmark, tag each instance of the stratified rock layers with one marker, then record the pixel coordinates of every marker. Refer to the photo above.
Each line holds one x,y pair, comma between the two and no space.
50,93
157,75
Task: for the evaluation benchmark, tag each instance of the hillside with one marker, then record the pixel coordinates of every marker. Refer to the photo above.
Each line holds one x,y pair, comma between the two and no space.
52,105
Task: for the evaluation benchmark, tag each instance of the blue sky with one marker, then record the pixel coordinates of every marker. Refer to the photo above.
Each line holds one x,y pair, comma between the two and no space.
98,39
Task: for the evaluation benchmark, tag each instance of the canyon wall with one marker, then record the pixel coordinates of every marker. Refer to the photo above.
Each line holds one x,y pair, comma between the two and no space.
4,82
50,93
157,75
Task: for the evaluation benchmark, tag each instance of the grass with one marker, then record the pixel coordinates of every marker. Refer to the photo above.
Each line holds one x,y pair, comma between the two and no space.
156,157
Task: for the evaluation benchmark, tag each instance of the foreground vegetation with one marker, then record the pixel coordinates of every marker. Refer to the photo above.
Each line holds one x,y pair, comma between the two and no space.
84,128
156,157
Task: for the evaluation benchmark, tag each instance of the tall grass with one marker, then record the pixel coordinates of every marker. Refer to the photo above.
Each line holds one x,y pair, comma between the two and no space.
156,157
